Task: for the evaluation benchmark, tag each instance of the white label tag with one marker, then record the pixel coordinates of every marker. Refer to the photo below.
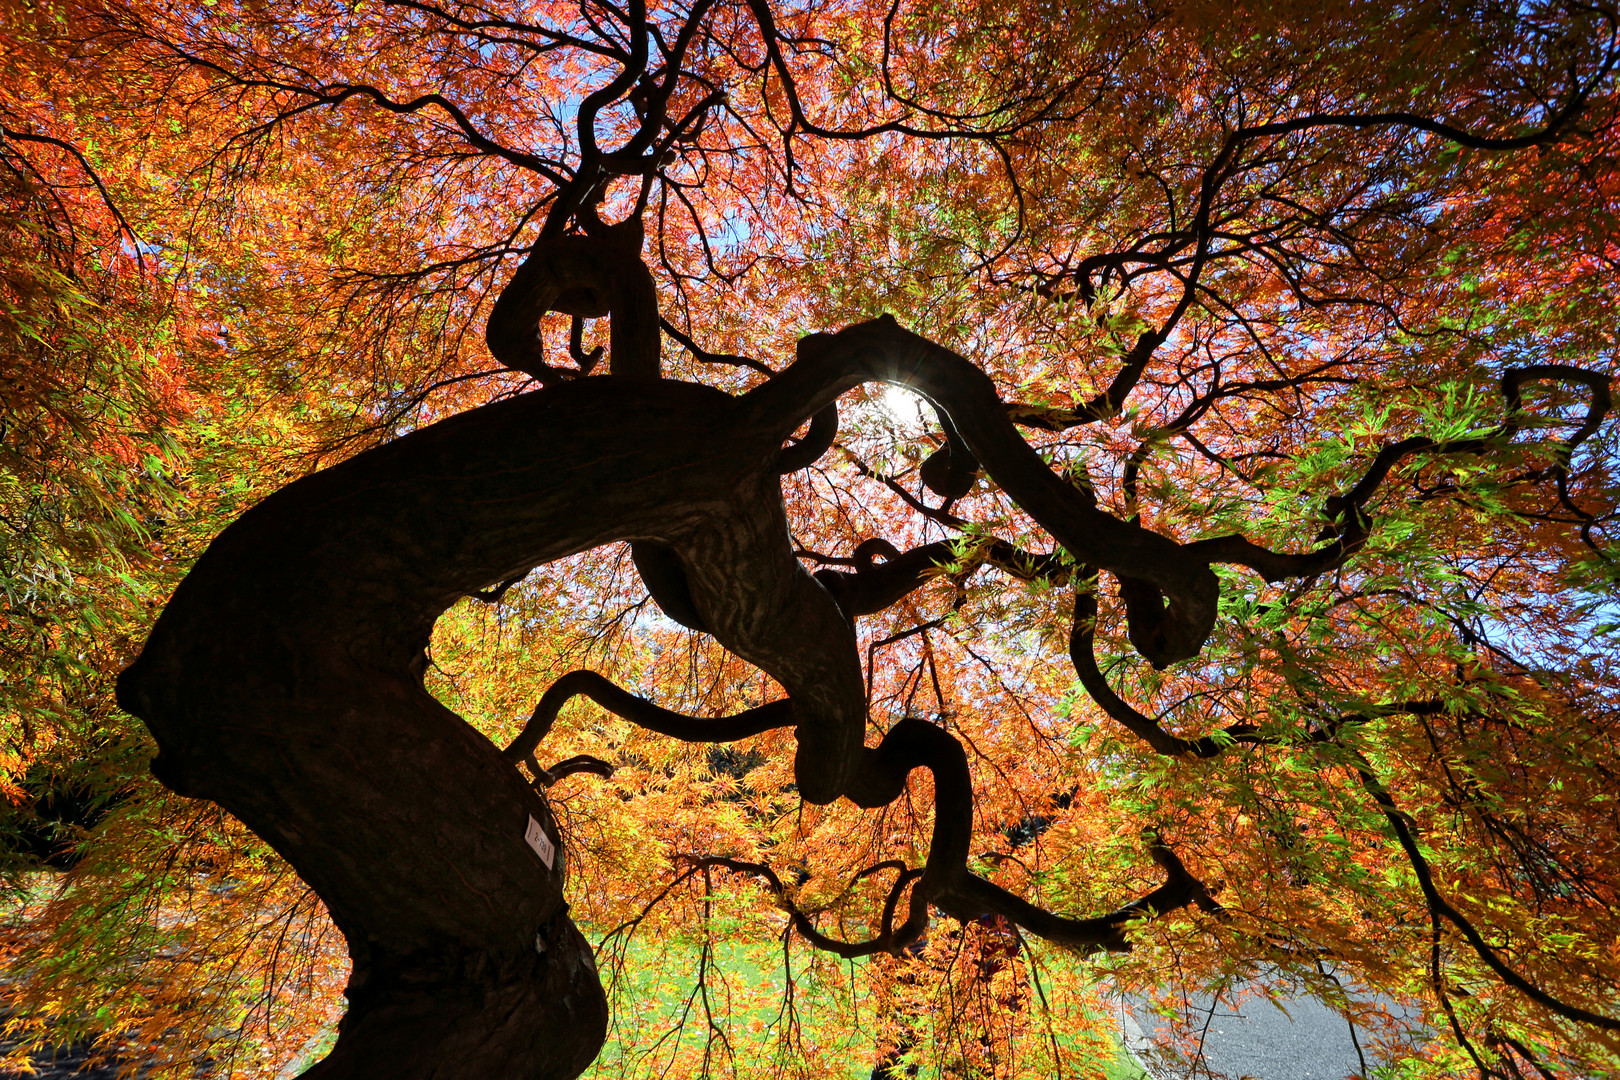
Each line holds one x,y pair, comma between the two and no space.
537,838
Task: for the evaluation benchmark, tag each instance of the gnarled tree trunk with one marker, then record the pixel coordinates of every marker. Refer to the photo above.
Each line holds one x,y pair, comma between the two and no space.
284,682
284,679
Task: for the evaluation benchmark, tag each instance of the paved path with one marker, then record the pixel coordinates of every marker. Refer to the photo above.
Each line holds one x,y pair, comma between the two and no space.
1254,1039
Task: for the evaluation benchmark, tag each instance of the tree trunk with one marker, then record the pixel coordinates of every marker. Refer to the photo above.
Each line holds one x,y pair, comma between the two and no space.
284,681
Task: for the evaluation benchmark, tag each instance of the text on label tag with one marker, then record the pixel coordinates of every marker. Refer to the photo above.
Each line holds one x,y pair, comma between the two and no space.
537,838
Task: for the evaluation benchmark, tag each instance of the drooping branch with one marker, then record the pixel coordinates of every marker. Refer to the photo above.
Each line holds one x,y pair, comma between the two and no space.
1399,823
494,595
17,136
1105,932
889,937
1439,907
1082,651
705,356
945,880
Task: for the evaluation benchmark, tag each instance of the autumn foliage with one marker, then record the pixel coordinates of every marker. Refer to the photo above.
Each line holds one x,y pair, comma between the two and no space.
1320,301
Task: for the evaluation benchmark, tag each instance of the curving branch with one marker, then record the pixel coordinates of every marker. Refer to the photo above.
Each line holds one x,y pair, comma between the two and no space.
945,881
889,938
876,586
1346,511
705,356
881,350
1104,932
585,277
1440,908
950,471
817,441
576,346
1082,651
579,763
83,162
642,713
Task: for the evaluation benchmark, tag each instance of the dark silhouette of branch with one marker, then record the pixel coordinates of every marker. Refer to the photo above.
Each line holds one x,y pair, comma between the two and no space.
579,763
1346,511
576,346
707,357
584,277
817,441
493,596
881,351
89,171
1082,651
889,938
1441,908
642,713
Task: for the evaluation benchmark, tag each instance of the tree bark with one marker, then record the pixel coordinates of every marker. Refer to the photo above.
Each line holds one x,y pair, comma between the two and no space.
284,681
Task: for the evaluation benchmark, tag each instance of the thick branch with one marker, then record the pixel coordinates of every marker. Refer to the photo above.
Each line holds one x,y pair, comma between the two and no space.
586,278
579,763
875,586
817,441
881,351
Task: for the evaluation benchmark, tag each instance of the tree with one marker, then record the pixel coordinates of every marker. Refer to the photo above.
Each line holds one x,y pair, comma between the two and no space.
1267,361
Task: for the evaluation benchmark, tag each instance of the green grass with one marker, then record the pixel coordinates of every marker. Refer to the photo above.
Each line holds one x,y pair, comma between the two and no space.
660,1030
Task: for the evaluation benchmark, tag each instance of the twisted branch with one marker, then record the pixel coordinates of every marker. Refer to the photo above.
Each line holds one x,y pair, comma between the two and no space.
882,351
642,713
944,880
1350,523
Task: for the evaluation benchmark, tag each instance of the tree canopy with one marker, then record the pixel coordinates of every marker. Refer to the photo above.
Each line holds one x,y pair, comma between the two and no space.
970,499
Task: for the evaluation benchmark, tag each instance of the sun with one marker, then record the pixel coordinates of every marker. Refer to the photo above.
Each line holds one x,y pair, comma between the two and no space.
904,409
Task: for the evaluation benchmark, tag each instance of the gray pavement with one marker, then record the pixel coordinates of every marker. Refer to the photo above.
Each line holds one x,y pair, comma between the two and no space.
1244,1036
